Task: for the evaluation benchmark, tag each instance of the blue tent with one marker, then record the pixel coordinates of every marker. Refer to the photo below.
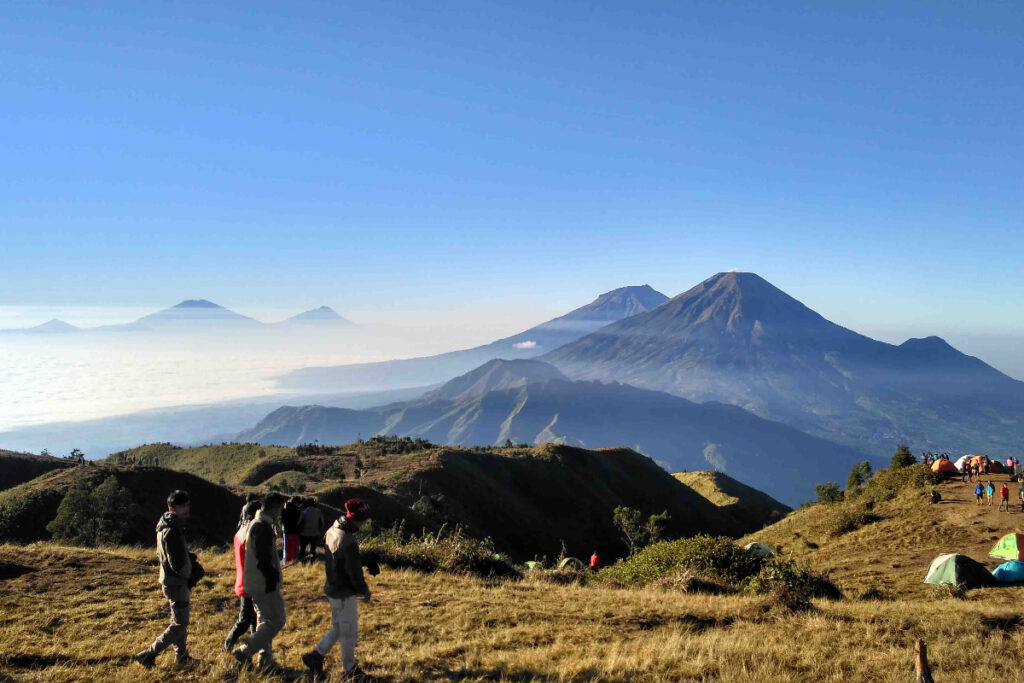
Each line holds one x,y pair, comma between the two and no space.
1009,572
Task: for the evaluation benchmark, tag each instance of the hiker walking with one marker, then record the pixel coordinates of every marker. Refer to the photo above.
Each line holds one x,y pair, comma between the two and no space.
311,529
261,579
979,493
246,610
1004,497
595,562
290,522
179,571
1020,495
990,492
344,584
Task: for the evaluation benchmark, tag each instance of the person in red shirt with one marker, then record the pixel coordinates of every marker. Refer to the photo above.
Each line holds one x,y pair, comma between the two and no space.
595,562
246,610
1004,497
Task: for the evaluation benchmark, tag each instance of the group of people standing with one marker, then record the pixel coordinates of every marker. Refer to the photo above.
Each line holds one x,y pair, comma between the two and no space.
986,493
258,581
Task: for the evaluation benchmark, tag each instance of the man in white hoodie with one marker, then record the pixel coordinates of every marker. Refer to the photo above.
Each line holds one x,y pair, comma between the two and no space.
261,579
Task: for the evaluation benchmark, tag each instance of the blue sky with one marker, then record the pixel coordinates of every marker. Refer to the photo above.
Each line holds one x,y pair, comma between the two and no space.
521,157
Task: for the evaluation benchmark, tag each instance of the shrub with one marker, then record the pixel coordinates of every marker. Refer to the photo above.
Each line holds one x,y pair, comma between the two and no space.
449,552
714,556
888,483
849,518
104,515
787,579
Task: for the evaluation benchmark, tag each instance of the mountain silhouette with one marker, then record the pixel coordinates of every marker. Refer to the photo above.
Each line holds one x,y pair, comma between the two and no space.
607,308
52,326
529,401
737,339
317,316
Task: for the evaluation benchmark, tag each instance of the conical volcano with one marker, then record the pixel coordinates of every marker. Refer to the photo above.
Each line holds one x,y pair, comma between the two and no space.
738,339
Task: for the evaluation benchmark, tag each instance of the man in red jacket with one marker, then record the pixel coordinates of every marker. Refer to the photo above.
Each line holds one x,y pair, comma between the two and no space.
246,610
595,562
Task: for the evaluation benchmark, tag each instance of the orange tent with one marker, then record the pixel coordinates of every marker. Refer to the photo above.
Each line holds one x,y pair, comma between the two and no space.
944,466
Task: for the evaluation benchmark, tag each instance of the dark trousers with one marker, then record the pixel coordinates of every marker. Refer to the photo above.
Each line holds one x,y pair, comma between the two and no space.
308,541
246,621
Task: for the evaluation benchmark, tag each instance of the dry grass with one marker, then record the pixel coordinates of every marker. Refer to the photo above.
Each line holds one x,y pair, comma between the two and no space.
80,614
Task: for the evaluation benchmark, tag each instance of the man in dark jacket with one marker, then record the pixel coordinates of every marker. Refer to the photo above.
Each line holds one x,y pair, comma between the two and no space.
261,579
343,585
175,572
311,529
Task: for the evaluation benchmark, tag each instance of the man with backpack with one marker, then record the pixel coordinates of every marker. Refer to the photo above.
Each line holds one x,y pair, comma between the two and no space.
179,572
344,584
1004,497
246,610
311,530
261,579
290,523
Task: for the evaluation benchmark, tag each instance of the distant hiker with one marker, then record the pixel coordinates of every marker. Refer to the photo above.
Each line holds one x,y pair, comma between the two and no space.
311,529
990,492
343,585
595,562
1004,497
176,574
965,474
261,579
979,492
246,611
1020,495
934,497
290,521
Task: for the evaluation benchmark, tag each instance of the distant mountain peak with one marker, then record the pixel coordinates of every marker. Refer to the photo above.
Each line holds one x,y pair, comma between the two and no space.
197,303
321,314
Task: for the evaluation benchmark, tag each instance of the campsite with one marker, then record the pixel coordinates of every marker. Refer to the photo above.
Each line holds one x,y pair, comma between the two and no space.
948,574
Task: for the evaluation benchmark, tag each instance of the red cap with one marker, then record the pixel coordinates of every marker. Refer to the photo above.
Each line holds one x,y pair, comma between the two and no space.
356,509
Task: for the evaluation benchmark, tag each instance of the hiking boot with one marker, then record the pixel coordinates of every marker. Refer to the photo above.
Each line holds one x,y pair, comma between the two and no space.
355,674
146,658
185,661
241,659
314,661
268,667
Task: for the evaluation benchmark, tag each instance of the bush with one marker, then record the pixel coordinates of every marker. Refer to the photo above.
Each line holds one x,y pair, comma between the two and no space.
714,556
786,578
104,515
849,518
452,553
888,483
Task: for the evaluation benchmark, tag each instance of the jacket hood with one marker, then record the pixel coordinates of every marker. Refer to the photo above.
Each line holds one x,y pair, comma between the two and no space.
168,520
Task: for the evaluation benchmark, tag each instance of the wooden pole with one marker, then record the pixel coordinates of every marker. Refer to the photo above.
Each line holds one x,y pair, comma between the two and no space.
924,673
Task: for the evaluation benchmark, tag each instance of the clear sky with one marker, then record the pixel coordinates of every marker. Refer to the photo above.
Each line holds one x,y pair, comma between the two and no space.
474,157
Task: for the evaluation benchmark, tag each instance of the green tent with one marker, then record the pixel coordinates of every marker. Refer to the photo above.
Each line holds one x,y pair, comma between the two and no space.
532,564
1009,547
959,570
759,549
570,563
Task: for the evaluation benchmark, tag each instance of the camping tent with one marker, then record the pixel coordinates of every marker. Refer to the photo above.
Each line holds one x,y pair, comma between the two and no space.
532,564
995,467
759,549
1009,547
958,570
570,563
962,460
1009,572
943,466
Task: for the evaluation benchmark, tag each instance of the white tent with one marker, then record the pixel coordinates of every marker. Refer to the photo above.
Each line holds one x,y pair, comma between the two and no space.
759,549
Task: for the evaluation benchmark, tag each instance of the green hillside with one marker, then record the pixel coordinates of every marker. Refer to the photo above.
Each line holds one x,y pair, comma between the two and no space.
751,509
17,468
25,510
224,464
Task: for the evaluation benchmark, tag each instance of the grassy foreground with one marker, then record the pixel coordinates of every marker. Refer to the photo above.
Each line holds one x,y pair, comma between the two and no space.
79,614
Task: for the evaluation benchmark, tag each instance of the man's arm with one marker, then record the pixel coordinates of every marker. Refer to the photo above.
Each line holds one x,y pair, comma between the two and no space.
354,568
176,552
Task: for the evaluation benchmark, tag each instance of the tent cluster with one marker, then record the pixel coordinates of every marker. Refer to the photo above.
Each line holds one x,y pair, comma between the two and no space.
960,570
985,465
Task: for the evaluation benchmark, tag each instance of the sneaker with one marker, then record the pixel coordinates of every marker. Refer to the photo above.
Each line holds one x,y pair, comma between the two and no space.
146,658
314,661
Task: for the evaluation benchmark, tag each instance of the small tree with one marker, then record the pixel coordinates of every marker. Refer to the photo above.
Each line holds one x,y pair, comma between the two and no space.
630,524
75,522
855,480
902,458
115,512
656,525
865,470
828,493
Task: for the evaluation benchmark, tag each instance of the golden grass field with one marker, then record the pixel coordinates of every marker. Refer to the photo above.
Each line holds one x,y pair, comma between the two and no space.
80,614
